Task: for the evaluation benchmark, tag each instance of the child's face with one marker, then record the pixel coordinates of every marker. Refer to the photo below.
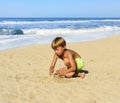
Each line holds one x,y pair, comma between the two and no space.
59,50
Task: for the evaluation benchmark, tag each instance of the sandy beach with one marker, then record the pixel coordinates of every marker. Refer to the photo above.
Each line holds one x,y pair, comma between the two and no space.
24,76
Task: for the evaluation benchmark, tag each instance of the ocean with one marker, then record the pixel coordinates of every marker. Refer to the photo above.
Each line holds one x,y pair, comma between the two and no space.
16,32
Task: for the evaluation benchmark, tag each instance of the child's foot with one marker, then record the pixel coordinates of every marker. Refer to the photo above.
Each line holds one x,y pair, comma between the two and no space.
81,75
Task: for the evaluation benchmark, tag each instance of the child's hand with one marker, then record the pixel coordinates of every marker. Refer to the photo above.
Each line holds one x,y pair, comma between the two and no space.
51,70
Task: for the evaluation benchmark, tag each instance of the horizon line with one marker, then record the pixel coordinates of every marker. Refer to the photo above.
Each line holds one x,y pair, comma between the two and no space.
59,17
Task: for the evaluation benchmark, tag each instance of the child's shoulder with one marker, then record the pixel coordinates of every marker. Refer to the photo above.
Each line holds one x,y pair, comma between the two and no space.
69,51
73,53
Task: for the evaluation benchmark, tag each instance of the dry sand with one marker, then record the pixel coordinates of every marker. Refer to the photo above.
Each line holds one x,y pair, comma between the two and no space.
24,74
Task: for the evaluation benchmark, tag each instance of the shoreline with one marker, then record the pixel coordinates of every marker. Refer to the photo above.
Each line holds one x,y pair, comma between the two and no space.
68,40
24,74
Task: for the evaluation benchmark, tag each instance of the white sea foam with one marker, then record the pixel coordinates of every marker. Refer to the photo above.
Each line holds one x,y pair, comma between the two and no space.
34,36
42,22
69,31
61,21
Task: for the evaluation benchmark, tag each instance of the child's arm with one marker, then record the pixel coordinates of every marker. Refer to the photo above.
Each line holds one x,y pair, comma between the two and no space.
51,69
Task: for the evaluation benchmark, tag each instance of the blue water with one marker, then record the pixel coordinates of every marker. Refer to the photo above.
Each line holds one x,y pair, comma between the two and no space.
15,32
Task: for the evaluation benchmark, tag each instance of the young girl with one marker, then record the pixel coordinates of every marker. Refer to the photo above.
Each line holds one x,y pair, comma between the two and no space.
71,59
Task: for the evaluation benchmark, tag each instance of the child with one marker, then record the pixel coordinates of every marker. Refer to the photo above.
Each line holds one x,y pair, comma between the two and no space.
71,59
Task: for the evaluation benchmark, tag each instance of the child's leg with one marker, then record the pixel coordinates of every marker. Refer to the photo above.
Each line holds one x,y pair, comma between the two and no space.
78,74
82,75
61,71
68,75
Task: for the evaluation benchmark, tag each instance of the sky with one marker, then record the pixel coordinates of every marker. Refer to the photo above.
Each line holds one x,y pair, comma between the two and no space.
59,8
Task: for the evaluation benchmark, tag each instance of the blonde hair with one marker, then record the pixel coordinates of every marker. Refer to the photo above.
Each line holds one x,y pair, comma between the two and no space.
58,41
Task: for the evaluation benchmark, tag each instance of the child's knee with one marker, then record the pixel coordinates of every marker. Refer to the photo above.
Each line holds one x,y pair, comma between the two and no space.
68,75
